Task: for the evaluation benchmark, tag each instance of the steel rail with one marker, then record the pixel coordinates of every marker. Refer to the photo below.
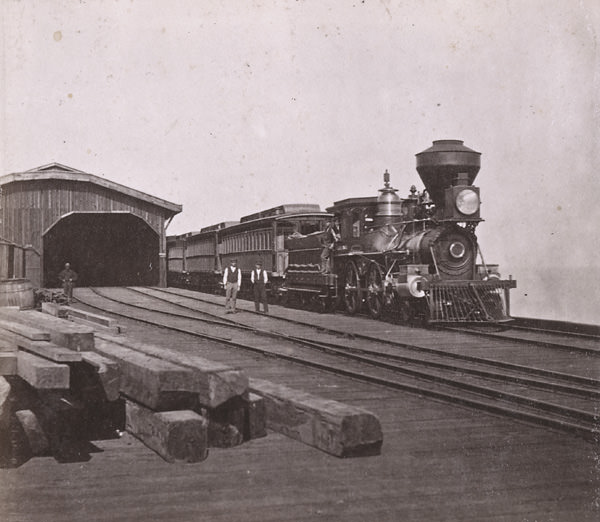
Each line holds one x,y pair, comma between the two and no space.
344,349
590,433
535,342
421,349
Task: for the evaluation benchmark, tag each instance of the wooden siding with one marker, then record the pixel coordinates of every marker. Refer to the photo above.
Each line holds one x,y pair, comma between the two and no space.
175,252
254,240
199,263
30,208
176,265
57,172
11,261
201,246
5,268
33,265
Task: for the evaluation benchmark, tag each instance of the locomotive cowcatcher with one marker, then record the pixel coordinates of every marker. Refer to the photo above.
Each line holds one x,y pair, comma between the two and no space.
415,257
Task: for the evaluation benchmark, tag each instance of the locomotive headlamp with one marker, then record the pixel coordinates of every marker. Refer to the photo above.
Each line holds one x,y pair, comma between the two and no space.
457,250
467,202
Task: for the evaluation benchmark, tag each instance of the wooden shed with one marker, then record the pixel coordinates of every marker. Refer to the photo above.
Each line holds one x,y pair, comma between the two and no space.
110,234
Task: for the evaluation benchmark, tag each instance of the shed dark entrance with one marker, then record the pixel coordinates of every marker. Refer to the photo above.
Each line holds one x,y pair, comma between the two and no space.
105,249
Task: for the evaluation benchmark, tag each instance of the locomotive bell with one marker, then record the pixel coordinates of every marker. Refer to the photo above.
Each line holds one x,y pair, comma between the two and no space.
439,165
389,204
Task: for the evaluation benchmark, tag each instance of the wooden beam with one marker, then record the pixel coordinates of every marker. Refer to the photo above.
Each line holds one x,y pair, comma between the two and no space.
8,363
62,332
89,316
107,372
155,383
36,437
110,330
333,427
54,310
41,373
216,383
177,436
6,346
29,332
44,349
52,352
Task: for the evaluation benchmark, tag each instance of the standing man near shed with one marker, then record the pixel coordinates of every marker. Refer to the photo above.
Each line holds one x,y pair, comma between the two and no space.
260,279
68,278
232,281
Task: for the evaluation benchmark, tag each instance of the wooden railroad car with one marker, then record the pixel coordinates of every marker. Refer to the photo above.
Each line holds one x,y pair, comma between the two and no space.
197,259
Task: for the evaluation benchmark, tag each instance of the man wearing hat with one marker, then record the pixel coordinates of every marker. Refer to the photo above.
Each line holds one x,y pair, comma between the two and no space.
68,278
232,281
259,280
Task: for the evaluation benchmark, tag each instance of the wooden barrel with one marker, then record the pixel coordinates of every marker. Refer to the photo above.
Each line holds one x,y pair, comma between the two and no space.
16,292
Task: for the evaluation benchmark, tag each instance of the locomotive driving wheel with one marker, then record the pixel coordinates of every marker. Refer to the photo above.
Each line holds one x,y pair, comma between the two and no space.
352,296
375,289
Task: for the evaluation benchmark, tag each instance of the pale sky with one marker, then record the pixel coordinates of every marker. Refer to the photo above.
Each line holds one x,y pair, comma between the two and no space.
228,107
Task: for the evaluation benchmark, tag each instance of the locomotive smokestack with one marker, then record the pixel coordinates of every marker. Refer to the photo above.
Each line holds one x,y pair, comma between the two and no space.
441,164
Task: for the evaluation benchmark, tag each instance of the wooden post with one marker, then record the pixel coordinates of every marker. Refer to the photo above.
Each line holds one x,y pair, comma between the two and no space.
177,436
34,433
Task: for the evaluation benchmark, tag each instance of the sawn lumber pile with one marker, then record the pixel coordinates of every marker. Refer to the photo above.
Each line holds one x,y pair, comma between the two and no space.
69,377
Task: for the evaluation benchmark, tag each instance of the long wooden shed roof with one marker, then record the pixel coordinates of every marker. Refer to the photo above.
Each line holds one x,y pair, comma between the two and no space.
57,171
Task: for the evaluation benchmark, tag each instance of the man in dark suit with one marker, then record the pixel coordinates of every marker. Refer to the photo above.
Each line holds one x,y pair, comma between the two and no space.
260,279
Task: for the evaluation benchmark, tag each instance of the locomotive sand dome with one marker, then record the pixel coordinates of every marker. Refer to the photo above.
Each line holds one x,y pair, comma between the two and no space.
389,204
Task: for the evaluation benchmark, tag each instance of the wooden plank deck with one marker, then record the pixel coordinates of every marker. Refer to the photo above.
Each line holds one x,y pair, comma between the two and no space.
582,364
449,471
438,462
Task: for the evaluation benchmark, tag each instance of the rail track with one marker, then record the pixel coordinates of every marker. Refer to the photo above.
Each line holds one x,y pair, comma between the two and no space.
565,401
545,333
546,337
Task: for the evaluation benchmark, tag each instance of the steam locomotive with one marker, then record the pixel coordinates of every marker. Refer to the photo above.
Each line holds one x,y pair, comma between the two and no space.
416,258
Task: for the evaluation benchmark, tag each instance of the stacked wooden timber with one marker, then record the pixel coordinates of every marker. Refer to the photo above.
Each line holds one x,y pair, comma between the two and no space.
73,381
96,321
55,399
177,407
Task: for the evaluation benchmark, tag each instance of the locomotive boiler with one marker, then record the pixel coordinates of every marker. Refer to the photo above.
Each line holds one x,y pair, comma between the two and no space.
416,257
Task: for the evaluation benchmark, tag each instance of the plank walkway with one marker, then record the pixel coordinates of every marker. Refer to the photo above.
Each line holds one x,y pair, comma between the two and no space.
438,462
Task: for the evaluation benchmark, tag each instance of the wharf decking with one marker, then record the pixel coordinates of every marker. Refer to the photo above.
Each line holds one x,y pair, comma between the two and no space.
438,462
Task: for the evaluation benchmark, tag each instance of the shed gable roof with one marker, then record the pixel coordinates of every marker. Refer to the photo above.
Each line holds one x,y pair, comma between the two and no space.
55,167
58,171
